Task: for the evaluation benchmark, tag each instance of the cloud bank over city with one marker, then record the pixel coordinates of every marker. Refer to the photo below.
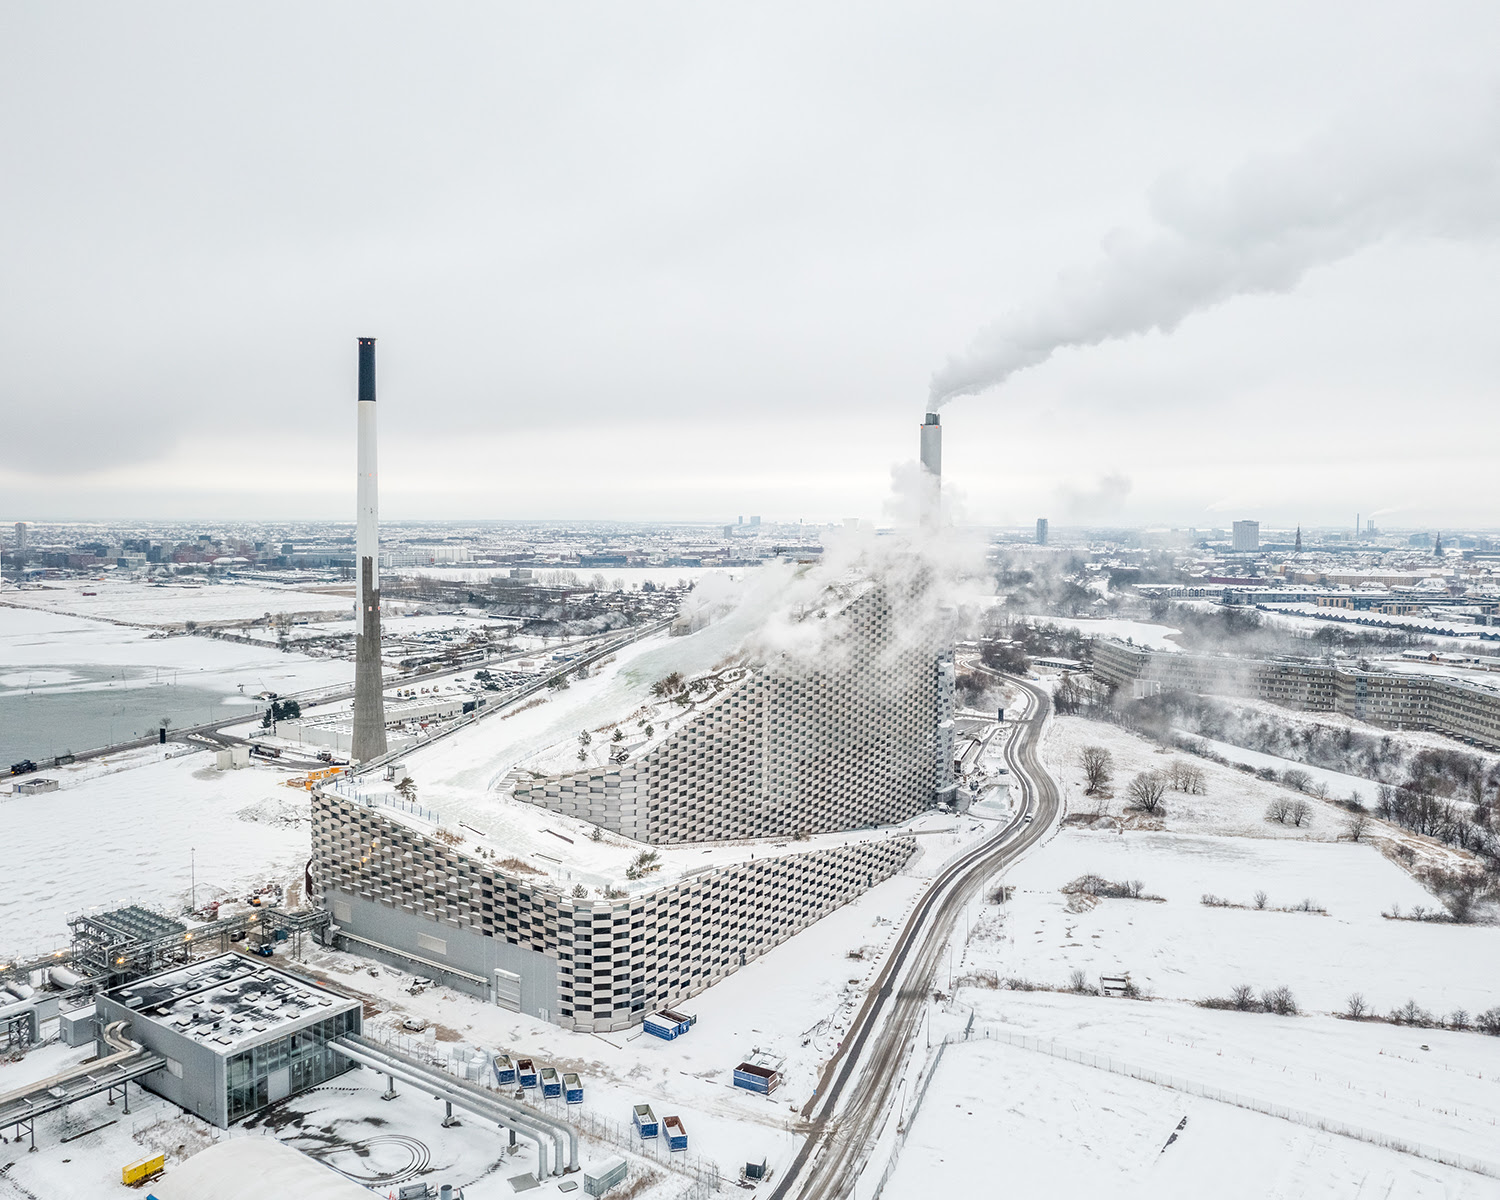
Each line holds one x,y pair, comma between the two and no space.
681,263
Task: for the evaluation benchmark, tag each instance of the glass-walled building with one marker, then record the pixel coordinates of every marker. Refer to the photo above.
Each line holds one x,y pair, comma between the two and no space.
237,1034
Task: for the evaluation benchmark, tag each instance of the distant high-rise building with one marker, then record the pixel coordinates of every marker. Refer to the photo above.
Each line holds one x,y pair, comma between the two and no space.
1246,537
20,538
1041,531
755,520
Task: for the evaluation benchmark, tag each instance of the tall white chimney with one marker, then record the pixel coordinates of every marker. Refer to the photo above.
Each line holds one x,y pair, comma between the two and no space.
369,695
932,472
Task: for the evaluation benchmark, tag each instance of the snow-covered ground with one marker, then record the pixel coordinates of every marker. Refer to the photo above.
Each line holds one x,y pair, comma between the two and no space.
1142,633
1233,805
135,602
998,1119
133,836
627,577
1181,949
36,646
1339,785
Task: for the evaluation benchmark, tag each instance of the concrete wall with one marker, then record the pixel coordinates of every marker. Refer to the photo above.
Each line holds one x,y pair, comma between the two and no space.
424,950
196,1081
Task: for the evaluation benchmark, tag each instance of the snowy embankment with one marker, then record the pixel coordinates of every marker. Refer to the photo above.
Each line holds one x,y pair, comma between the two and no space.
134,836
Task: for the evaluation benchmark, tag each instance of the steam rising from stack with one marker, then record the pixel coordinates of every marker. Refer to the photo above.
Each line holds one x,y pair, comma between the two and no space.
1259,230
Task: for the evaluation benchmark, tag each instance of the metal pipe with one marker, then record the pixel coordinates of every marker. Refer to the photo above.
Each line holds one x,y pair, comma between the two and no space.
446,1089
561,1130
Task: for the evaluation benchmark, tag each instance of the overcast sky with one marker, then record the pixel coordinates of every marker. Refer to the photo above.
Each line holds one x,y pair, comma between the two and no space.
695,261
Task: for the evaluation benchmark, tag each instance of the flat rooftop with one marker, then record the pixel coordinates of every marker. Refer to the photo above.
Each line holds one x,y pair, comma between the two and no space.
229,1002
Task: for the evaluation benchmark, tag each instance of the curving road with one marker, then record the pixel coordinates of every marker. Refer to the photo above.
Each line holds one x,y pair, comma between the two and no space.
856,1087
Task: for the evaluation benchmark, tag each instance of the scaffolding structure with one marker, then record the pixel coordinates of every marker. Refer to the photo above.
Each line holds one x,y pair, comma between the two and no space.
103,943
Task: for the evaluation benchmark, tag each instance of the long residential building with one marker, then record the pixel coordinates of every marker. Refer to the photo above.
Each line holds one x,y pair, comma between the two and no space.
1397,700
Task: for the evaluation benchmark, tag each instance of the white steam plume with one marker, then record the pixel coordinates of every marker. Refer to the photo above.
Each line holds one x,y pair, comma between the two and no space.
1260,229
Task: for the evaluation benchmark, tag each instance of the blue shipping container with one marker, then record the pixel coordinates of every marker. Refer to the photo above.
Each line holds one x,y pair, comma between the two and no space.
526,1072
572,1088
756,1078
668,1024
505,1071
676,1134
551,1084
645,1121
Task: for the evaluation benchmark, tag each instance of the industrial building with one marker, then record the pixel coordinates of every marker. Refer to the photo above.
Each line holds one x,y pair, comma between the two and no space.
236,1035
791,748
863,737
1396,699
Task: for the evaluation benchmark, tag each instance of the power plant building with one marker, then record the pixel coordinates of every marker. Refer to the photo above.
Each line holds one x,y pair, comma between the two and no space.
816,755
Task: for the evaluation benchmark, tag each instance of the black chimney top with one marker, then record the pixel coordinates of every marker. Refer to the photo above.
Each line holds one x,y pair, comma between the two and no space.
367,368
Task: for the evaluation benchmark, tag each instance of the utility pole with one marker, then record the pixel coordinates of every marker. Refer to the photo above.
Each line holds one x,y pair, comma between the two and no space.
193,868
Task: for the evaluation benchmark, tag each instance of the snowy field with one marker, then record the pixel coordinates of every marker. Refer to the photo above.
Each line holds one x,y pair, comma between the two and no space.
1142,633
1234,804
1181,949
36,647
1044,1126
134,602
131,836
626,578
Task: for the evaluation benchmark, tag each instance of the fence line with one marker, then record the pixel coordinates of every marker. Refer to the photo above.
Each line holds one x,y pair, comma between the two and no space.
1297,1116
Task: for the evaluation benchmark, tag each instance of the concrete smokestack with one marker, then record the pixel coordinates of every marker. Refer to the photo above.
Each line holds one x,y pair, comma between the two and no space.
369,693
932,471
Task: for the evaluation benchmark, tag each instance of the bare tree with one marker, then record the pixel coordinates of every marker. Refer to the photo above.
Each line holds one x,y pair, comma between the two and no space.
1242,996
1279,809
1301,813
1260,900
1297,778
1355,1007
1279,1001
407,788
1357,826
1098,767
1146,791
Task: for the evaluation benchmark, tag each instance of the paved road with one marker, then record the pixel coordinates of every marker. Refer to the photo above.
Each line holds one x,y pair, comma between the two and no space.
857,1085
